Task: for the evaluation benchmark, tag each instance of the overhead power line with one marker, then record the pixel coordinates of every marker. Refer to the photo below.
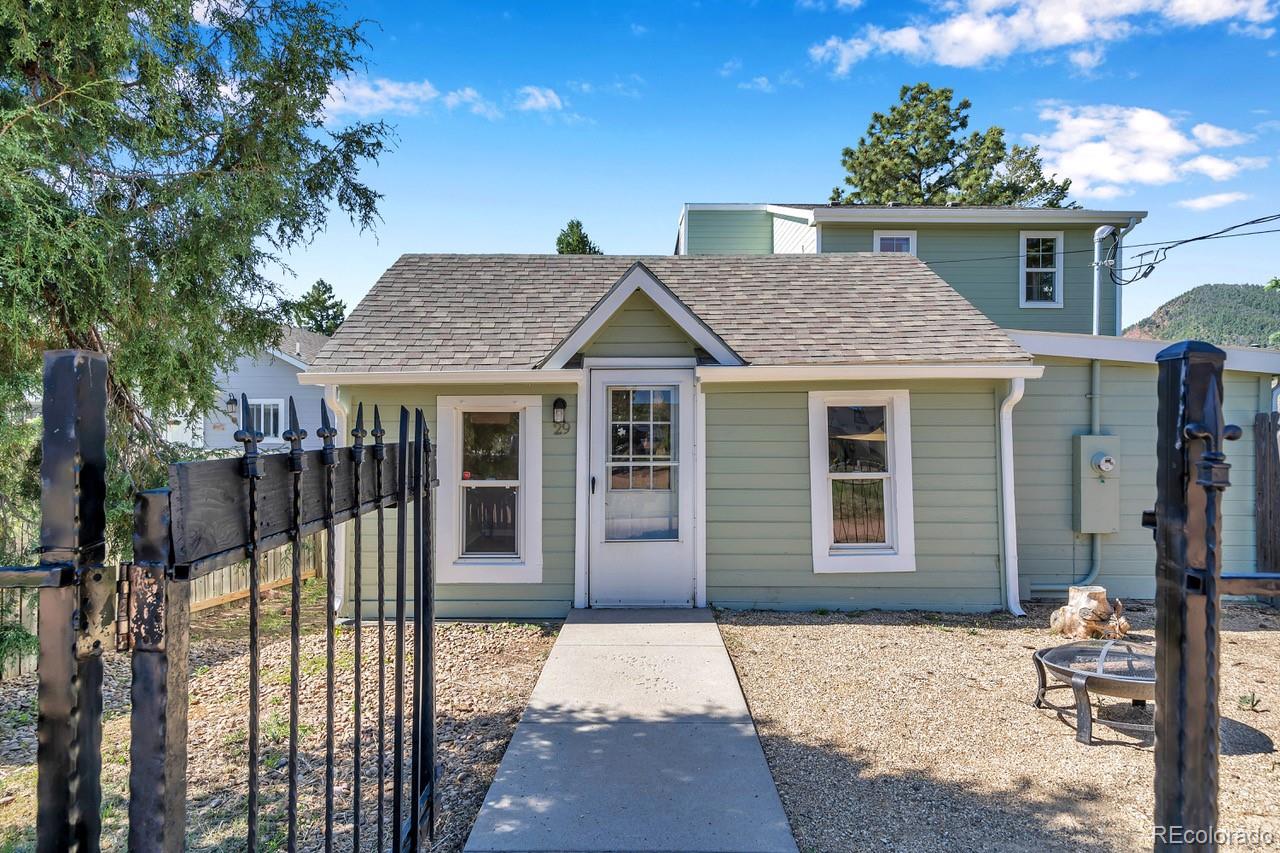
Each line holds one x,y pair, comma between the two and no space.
1158,253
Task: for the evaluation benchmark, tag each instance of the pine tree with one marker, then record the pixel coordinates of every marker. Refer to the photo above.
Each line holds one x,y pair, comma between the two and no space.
919,154
574,241
318,310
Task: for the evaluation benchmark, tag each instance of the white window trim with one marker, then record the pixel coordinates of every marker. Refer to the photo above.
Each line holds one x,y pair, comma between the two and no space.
900,554
269,401
876,235
451,566
1058,283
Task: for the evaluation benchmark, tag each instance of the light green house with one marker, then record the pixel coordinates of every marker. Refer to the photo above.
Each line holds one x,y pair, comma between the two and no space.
1031,271
772,428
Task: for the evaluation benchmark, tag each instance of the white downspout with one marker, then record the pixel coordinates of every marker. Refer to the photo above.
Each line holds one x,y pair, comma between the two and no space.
1009,519
334,403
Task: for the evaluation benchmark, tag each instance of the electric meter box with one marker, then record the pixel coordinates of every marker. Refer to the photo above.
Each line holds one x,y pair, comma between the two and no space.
1096,504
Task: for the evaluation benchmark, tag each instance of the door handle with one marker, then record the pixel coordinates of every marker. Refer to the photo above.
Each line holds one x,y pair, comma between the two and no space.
593,485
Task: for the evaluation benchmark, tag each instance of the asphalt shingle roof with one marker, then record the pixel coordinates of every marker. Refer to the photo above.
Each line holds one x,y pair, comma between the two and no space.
302,344
472,312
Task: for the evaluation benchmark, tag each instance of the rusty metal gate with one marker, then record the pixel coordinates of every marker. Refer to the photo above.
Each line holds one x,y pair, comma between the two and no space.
1192,473
212,514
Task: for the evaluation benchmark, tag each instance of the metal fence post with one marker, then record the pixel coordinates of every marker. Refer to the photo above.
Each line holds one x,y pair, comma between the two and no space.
159,621
72,534
1191,474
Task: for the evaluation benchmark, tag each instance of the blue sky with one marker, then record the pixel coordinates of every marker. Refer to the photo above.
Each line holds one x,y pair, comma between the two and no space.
513,119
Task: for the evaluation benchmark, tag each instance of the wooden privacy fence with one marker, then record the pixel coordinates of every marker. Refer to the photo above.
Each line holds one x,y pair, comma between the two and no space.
1266,443
274,571
21,606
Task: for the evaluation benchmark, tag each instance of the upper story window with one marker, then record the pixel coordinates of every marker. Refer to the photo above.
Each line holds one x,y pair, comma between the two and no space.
264,417
902,242
1040,269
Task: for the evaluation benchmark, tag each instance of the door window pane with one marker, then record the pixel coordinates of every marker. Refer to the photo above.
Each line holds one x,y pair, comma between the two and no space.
491,445
856,439
489,520
641,500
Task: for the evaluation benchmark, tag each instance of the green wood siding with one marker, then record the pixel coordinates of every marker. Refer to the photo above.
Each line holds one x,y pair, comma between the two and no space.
729,232
1055,408
992,285
550,599
759,547
640,329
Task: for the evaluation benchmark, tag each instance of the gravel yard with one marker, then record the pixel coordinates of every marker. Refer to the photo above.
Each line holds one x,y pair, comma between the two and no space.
484,674
915,731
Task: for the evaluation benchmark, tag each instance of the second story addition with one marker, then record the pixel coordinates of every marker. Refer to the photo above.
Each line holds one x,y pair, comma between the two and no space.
1025,268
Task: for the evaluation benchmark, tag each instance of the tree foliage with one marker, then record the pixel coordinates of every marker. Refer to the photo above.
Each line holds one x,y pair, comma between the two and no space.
573,240
318,310
155,157
920,153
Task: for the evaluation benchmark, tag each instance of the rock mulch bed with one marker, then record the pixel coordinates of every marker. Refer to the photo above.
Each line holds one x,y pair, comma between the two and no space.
484,674
915,731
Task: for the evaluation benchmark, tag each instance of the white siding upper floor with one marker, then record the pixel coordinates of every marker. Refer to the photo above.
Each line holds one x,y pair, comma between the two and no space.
270,380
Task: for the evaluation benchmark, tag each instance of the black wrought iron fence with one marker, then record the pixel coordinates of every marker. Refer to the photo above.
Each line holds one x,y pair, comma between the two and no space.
1192,473
214,514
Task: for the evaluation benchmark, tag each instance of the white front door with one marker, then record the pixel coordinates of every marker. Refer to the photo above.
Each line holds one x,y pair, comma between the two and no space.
641,481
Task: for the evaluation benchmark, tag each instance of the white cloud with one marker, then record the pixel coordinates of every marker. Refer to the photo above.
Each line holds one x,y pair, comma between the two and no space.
1212,136
822,5
539,99
1218,169
730,67
841,54
757,84
363,97
627,87
1256,31
1107,149
1210,202
638,30
475,103
973,33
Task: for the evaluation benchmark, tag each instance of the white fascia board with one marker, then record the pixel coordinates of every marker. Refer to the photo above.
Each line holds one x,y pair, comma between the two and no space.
639,278
793,212
1133,350
977,215
443,377
818,373
288,359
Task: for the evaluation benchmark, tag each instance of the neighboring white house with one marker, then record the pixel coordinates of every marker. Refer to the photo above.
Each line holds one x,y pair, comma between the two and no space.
269,379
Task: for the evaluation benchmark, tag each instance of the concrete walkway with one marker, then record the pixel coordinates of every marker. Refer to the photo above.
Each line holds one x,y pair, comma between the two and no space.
636,738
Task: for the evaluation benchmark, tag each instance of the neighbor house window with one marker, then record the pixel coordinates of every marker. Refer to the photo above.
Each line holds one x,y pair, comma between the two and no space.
860,479
899,242
1040,268
489,516
264,417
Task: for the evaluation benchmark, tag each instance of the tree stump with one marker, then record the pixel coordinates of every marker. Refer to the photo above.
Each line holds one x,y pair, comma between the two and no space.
1088,615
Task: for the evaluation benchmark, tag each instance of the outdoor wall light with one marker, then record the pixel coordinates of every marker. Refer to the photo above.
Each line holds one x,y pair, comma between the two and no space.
232,406
557,410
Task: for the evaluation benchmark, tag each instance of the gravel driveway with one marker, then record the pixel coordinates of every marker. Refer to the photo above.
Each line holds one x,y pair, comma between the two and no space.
484,674
915,731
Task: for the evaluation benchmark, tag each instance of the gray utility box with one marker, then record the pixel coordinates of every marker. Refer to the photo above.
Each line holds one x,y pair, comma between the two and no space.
1096,492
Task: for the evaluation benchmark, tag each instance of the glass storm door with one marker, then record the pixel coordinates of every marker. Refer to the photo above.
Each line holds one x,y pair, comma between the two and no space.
641,488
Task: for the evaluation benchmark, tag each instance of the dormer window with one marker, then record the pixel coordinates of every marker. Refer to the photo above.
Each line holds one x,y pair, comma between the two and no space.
1040,269
894,242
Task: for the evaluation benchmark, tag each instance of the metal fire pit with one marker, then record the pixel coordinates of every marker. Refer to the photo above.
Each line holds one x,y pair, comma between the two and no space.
1118,668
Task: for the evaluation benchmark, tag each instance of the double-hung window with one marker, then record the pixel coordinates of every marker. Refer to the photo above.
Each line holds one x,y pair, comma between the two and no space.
1040,269
894,242
860,481
264,417
489,504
